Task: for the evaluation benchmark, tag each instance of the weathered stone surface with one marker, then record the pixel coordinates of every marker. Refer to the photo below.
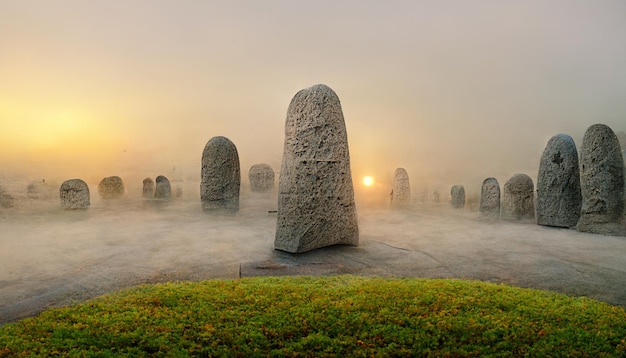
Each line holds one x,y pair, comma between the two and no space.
148,188
261,177
490,198
316,197
601,182
221,176
6,199
558,184
457,196
518,198
74,194
401,192
163,188
111,188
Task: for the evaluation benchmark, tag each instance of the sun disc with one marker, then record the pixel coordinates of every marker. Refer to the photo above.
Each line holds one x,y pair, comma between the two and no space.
368,180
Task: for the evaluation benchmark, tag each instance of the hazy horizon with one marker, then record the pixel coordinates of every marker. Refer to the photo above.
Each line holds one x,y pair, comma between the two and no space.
452,91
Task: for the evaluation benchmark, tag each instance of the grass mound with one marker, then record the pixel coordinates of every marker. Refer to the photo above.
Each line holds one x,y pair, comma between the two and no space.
324,316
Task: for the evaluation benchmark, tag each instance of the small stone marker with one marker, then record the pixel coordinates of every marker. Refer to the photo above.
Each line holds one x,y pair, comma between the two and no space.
111,188
163,189
490,198
261,177
220,176
401,192
316,197
74,194
518,198
558,184
457,195
148,188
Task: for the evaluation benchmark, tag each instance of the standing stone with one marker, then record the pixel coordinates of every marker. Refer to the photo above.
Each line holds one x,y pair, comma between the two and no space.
163,188
558,184
148,188
490,198
601,181
261,178
111,188
457,194
401,192
518,198
221,178
74,194
316,197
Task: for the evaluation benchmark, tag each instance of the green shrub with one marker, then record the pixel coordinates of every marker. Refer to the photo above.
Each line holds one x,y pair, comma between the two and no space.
324,316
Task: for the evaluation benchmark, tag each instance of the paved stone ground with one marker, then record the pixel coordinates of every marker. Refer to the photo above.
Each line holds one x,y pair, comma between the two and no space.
51,258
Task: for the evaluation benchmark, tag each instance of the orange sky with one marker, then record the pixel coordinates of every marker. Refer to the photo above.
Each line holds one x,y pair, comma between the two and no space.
453,91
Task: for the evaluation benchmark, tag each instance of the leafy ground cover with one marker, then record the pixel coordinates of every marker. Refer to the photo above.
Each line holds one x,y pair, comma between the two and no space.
324,316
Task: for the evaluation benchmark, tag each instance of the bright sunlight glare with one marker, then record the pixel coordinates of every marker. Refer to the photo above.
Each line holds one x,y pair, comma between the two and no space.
368,181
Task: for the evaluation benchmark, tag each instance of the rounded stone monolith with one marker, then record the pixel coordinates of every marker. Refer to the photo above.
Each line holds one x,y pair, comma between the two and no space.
148,188
457,196
601,182
220,176
163,189
111,188
558,184
261,177
74,194
401,192
316,197
490,198
518,198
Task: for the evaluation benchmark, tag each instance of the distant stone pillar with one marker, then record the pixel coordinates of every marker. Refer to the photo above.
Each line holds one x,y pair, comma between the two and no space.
261,177
457,195
316,197
220,176
558,184
518,198
74,194
111,188
601,182
163,188
401,192
148,188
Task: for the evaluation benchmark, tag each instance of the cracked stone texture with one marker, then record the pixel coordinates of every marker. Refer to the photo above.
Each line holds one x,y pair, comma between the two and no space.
457,195
163,188
74,194
261,177
316,198
111,188
518,198
601,182
148,188
558,184
490,198
401,192
221,176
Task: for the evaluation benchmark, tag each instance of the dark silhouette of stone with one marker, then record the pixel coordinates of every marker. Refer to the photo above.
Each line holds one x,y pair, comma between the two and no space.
261,177
558,184
6,199
401,192
74,194
221,176
490,198
601,182
457,196
316,197
148,188
518,198
163,188
111,188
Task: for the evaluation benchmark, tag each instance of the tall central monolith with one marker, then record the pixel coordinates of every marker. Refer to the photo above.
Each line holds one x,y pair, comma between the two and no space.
316,198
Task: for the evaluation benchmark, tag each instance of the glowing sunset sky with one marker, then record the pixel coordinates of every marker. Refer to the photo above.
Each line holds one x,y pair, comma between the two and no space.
450,90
